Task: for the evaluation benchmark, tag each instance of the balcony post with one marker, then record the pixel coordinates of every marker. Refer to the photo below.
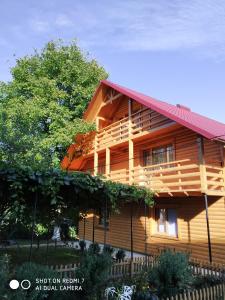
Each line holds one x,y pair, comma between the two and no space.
107,163
96,148
131,143
202,168
222,153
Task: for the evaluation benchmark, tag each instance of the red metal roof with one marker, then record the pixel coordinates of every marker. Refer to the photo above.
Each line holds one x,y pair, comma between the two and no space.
206,127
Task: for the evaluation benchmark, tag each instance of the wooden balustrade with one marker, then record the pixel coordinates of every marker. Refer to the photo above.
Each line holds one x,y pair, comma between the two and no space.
173,177
177,176
119,176
142,122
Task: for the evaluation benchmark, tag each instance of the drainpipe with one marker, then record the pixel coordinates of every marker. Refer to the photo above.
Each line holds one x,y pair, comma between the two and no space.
204,187
208,228
93,228
131,232
145,210
105,221
84,220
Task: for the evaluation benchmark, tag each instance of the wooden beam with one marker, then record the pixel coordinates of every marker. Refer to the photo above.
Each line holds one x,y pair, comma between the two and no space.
202,168
107,163
131,143
96,148
110,100
131,161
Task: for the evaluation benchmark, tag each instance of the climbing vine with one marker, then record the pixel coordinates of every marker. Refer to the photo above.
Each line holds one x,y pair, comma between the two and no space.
60,192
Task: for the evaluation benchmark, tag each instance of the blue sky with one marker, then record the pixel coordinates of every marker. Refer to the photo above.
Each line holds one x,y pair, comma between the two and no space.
172,50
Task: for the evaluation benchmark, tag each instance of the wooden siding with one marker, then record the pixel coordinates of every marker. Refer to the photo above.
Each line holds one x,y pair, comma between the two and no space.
125,129
192,231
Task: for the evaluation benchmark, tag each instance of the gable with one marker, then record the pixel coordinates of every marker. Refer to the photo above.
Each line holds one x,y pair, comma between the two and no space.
204,126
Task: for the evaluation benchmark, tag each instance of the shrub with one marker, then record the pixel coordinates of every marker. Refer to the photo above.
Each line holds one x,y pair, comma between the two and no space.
108,249
94,269
144,295
94,248
41,230
120,254
82,245
72,233
171,274
32,271
205,281
4,275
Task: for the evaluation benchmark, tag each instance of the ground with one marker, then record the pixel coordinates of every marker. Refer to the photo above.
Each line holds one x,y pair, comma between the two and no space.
55,256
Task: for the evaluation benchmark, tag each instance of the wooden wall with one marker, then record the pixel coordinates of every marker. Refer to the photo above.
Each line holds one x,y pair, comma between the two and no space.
192,231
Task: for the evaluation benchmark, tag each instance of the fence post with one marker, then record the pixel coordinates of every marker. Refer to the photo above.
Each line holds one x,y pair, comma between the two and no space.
131,268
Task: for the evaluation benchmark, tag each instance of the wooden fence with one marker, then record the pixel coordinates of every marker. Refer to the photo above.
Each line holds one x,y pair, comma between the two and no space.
130,267
216,292
119,269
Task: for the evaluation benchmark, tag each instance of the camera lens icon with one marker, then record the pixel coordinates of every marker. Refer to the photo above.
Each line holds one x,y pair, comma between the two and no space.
25,284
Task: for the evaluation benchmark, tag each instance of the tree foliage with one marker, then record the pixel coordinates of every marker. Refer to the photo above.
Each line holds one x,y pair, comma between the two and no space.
41,108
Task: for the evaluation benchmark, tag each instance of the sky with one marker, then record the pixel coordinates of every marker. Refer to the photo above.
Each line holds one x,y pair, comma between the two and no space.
173,50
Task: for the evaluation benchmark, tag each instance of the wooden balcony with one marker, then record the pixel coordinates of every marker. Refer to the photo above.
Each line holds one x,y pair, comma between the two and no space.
177,177
140,123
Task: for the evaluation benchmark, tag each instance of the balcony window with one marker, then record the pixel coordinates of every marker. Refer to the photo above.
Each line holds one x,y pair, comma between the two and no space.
159,155
166,219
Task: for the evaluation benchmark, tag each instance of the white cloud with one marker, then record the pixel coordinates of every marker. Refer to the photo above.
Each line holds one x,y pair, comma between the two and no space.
157,25
39,25
144,25
63,20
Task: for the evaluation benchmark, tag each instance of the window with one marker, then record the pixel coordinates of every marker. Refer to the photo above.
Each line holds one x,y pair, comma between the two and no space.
158,155
166,219
101,220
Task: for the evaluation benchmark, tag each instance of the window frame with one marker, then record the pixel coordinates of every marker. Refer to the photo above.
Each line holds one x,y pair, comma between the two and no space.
159,146
166,232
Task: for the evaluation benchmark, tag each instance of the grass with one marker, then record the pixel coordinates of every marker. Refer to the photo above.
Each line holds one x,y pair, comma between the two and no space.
54,256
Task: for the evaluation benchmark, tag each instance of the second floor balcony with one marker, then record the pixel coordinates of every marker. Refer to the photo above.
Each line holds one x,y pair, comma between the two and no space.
140,123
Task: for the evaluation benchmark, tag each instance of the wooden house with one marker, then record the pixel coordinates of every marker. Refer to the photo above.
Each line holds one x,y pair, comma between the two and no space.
169,149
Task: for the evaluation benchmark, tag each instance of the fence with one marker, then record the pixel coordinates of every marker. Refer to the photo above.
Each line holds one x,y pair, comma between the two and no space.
130,267
205,269
119,269
216,292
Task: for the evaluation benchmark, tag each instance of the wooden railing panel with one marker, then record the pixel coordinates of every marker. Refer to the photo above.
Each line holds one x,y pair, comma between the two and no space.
176,176
141,122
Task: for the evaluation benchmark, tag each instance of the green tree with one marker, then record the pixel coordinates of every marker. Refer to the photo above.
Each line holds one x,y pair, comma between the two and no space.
41,108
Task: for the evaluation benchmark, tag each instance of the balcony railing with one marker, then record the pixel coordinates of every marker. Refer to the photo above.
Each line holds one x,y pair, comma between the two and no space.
141,122
173,177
